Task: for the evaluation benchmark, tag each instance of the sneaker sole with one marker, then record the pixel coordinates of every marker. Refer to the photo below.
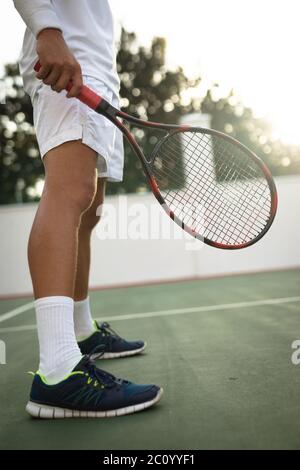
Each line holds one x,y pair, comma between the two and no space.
51,412
109,355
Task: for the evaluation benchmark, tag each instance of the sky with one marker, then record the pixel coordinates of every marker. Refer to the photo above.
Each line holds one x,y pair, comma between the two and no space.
250,46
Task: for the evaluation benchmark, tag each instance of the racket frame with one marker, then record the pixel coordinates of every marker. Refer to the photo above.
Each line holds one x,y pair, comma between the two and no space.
112,113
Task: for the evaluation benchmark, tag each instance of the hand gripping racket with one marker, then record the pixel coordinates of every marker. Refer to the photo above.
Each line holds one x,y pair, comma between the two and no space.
208,183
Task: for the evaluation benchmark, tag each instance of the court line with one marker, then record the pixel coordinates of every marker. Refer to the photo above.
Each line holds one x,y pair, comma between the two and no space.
178,311
16,311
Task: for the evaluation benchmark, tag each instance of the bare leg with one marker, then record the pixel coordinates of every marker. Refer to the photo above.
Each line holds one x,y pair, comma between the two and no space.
86,331
68,193
88,221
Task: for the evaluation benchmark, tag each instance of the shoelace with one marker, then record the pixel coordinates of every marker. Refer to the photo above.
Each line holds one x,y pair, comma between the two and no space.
108,333
101,376
107,329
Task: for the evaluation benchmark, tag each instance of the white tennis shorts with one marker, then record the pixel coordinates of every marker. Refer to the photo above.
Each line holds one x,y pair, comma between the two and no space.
58,120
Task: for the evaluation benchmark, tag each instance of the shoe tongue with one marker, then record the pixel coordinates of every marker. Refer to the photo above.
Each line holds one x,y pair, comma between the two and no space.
81,364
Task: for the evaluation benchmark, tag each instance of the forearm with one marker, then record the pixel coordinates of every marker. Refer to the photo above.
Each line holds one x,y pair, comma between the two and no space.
38,15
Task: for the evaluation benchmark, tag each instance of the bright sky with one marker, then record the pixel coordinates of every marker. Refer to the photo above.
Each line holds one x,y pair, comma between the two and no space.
251,46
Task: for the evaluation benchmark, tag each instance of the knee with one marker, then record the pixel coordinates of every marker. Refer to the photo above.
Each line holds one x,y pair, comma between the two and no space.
82,195
76,197
91,217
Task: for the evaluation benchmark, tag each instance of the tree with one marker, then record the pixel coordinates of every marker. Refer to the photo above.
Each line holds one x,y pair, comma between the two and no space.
149,91
229,115
20,167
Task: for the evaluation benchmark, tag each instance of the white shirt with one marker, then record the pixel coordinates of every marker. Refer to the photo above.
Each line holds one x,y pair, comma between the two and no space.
87,27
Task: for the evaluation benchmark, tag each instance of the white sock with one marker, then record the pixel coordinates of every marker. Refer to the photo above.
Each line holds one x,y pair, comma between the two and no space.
59,351
83,321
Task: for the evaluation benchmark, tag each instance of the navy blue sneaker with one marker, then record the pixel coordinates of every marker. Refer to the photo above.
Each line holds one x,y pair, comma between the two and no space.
105,343
89,392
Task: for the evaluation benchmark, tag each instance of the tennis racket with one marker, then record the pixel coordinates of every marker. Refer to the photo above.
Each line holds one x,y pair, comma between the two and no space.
208,183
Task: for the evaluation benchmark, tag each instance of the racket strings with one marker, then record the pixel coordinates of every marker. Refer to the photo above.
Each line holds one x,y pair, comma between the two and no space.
215,206
213,186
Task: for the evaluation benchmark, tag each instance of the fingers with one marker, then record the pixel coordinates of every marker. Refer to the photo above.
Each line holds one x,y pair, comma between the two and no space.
59,75
62,81
43,72
76,84
52,77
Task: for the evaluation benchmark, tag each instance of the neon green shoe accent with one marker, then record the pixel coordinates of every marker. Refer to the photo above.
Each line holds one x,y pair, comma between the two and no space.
43,378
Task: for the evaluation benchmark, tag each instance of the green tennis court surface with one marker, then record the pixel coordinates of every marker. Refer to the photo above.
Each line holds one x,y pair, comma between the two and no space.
221,349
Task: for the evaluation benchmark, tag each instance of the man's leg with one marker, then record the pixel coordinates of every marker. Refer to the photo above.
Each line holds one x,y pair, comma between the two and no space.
83,321
88,222
70,181
95,338
67,384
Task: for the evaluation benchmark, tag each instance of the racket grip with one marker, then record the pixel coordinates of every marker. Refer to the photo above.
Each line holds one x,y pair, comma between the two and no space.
86,95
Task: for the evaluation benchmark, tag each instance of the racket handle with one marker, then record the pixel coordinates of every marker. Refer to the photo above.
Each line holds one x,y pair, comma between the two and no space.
86,95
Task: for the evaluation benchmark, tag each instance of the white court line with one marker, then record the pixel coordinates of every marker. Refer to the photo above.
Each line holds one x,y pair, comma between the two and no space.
163,313
16,311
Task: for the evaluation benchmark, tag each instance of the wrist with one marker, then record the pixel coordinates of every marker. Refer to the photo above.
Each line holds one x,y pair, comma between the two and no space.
49,31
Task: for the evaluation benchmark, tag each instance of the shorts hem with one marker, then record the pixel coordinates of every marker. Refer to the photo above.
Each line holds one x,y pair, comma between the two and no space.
79,134
66,136
111,178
